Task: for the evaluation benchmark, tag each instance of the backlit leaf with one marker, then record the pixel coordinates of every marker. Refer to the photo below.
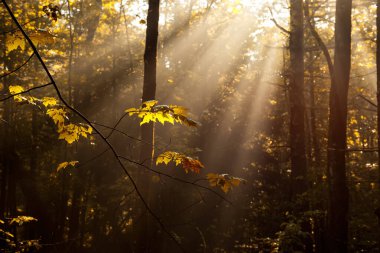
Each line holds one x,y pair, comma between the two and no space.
65,164
188,163
19,220
224,181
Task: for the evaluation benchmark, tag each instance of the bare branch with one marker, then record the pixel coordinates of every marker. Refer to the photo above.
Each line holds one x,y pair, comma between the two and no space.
277,24
319,40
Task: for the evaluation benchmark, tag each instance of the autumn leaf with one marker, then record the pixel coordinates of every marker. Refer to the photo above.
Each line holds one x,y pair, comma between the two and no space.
41,36
65,164
14,41
150,111
188,163
49,101
58,115
224,181
6,233
19,220
15,89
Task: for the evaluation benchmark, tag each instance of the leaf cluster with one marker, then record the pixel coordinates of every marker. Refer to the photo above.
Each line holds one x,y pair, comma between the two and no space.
150,111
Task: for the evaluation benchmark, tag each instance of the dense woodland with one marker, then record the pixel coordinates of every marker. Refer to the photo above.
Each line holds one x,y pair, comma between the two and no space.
189,126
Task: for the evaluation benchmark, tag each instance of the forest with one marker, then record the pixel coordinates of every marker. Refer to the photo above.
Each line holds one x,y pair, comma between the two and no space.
223,126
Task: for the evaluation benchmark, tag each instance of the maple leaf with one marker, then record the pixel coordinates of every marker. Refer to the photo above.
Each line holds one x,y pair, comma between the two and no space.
49,101
41,36
14,41
65,164
224,181
19,220
15,89
58,116
150,111
188,163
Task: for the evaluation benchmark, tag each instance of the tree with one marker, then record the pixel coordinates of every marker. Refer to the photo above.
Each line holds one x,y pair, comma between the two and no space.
150,69
337,213
296,97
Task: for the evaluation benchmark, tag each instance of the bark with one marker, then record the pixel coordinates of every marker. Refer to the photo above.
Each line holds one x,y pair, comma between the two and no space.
337,213
146,233
297,101
150,64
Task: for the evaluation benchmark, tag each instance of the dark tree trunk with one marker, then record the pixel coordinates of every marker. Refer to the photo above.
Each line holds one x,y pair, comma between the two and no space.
147,231
297,101
149,88
337,213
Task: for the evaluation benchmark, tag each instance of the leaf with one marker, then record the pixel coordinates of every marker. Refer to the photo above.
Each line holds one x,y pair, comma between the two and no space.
142,21
41,36
49,101
58,116
19,220
188,163
65,164
14,41
224,181
7,233
150,111
15,89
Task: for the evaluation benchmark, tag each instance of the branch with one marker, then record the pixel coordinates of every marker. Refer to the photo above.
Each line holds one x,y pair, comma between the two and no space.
19,67
319,40
176,178
79,114
25,91
368,101
276,24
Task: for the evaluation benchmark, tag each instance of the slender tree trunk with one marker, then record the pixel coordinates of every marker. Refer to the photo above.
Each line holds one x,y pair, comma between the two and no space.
150,64
144,240
296,96
337,213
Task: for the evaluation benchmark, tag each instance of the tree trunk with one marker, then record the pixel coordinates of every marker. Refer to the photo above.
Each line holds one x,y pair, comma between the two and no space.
337,213
144,240
297,101
149,88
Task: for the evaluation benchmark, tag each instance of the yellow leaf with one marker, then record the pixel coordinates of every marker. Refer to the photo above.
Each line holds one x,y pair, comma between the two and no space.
14,89
58,116
19,220
65,164
188,163
49,101
15,41
224,181
41,37
149,104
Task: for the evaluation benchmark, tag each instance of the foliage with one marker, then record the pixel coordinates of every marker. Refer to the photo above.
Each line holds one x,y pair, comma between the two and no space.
9,242
188,163
63,165
69,132
224,181
150,111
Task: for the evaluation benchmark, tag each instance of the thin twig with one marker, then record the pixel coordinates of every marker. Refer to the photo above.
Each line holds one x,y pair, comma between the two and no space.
319,40
277,24
368,101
